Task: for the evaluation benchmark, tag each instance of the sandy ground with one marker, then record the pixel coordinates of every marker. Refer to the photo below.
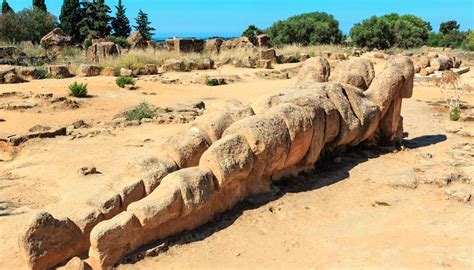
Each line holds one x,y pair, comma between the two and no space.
108,99
342,216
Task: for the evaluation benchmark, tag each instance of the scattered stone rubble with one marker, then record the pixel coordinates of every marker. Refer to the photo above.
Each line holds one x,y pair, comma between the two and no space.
433,64
28,100
55,40
227,154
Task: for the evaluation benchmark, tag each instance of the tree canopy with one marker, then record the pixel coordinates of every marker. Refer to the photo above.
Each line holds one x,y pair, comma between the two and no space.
71,16
306,29
40,4
29,24
143,25
6,7
449,35
252,31
449,26
120,23
392,30
95,21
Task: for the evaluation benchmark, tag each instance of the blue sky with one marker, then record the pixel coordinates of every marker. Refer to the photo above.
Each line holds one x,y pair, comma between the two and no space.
203,18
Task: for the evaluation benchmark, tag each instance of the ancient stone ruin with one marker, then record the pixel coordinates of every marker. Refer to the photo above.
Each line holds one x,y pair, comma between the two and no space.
229,153
185,45
433,64
137,41
55,40
102,50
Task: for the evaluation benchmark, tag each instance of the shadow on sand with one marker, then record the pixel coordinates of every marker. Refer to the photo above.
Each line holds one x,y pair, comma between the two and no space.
329,170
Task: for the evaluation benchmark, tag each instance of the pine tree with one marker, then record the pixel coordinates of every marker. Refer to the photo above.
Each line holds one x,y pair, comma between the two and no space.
71,15
6,7
40,4
95,19
143,25
121,24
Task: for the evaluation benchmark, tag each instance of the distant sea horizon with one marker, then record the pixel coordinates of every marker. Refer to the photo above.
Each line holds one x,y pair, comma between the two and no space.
200,35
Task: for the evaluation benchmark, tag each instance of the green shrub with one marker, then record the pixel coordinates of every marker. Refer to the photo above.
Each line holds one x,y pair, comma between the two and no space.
78,89
142,110
27,24
293,59
470,41
455,113
252,31
392,30
87,42
306,29
124,80
212,82
42,72
122,42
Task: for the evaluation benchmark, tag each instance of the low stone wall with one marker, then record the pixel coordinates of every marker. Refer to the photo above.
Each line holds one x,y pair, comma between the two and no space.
227,154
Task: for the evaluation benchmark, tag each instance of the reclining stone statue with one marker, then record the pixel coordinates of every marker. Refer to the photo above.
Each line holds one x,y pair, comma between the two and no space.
229,153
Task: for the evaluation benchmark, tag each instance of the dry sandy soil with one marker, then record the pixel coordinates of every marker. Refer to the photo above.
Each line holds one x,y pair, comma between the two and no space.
347,214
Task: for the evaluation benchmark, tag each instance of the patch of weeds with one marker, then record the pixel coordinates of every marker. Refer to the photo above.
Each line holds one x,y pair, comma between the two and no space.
455,113
122,42
42,73
78,90
293,59
142,110
124,80
70,51
212,81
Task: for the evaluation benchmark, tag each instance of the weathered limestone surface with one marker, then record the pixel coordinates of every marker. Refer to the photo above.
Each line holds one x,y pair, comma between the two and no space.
55,40
187,45
102,50
316,69
85,70
137,41
356,72
58,71
233,151
46,241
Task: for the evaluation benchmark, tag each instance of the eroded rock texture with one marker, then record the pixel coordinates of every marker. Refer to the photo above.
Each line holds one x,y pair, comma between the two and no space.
232,151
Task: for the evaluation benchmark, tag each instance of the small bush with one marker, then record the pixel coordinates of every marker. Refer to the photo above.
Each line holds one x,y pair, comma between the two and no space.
293,59
78,89
455,113
124,80
42,73
142,110
122,42
212,82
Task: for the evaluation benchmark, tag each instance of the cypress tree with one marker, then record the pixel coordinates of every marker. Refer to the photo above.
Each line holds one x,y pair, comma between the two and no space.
6,7
71,15
121,24
95,19
40,4
143,25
